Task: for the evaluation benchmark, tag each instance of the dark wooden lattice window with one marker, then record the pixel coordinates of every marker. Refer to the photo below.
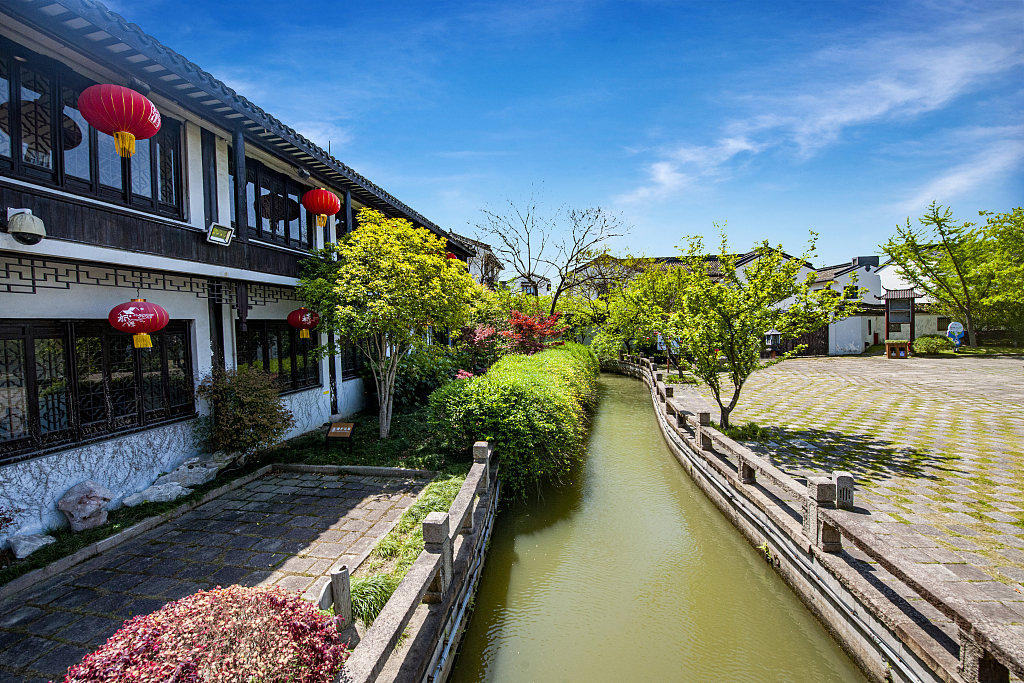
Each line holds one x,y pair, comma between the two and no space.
275,347
63,383
45,139
274,205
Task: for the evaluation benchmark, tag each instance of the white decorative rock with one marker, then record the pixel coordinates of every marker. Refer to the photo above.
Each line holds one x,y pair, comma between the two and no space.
192,472
23,546
158,493
85,505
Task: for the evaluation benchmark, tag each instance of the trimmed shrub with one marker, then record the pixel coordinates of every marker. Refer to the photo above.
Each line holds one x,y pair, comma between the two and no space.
248,413
233,635
932,343
534,407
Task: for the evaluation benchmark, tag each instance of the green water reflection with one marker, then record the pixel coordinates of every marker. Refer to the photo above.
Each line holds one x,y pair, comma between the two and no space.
631,574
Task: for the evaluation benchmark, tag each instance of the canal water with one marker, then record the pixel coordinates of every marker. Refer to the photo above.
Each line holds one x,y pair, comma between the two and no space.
631,574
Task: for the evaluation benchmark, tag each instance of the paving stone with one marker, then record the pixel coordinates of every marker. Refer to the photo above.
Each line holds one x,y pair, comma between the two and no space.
23,652
87,629
968,572
75,598
20,617
197,570
297,584
53,622
226,576
1013,573
60,659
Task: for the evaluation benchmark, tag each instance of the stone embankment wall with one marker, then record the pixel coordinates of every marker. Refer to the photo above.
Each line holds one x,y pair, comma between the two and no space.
802,528
414,638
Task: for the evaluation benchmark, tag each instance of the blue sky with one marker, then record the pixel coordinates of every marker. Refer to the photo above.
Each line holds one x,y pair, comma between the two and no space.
772,118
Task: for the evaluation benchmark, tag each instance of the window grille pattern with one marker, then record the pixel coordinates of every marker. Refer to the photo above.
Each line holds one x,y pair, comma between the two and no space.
275,347
64,383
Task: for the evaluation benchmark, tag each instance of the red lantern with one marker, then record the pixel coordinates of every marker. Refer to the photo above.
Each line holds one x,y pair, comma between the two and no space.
451,256
121,112
140,318
323,203
303,319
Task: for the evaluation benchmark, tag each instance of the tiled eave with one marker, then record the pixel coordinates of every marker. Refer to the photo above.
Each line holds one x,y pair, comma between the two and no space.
104,36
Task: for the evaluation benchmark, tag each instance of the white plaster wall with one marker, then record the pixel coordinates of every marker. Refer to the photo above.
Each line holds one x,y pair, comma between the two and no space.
847,336
124,465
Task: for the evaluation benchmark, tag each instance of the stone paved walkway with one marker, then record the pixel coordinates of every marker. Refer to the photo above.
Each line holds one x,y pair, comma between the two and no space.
936,446
285,529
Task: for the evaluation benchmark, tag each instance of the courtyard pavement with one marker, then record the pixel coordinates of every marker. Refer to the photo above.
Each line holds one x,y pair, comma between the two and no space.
285,529
936,447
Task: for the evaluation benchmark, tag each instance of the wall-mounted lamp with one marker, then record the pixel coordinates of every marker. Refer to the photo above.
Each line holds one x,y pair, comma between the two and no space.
24,227
303,173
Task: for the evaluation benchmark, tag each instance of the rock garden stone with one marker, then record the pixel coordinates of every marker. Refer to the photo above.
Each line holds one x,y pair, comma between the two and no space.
158,493
25,545
192,472
85,505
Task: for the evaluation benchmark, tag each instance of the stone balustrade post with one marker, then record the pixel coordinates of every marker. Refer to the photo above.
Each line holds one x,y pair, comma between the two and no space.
669,391
746,472
481,454
659,377
437,541
844,489
825,536
702,438
341,588
822,490
977,665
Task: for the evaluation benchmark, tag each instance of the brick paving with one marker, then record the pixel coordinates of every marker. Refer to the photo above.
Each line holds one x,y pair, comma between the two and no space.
937,449
284,529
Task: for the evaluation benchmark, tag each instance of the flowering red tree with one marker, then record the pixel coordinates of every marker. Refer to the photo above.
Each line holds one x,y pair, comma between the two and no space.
531,333
229,635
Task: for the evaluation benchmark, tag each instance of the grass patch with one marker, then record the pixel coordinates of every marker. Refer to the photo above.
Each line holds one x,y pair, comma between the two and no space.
413,444
750,431
390,560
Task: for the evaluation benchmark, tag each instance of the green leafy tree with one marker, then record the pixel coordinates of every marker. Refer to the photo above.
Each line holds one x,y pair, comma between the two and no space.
643,307
1004,235
947,262
385,286
725,315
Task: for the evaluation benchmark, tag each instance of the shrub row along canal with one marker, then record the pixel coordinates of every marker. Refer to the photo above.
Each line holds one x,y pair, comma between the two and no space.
631,574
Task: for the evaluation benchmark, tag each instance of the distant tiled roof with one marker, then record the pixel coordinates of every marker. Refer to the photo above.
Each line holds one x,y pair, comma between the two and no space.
899,294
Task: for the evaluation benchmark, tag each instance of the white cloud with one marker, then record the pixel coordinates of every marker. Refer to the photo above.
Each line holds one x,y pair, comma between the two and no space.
1001,156
896,77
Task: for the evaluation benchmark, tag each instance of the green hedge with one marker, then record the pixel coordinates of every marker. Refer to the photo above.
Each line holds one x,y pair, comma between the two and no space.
534,407
932,343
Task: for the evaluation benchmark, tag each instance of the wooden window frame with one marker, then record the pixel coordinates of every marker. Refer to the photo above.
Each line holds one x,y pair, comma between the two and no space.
263,177
264,328
61,77
77,431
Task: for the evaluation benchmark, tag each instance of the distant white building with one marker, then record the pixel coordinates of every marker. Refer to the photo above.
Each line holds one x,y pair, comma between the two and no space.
858,278
534,284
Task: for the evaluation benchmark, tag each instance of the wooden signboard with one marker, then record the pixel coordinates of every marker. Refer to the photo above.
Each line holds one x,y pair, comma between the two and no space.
340,432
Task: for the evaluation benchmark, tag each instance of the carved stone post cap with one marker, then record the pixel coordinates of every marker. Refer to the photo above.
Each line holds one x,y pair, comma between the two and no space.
704,418
480,451
821,489
435,528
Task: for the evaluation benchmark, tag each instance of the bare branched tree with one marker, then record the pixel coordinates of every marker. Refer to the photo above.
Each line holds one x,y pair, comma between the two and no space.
564,244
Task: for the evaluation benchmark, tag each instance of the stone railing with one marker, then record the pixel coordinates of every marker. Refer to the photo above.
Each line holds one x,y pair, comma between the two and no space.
989,651
438,587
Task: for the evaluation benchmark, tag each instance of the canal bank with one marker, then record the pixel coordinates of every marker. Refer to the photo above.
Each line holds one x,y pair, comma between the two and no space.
630,573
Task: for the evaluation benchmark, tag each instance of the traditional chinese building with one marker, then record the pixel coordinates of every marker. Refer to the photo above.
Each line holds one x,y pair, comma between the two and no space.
205,219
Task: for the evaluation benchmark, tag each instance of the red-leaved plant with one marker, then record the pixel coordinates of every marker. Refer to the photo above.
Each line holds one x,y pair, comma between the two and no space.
531,333
225,635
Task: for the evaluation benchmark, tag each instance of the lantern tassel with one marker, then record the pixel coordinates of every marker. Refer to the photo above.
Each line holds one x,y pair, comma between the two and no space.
142,341
321,220
304,334
124,142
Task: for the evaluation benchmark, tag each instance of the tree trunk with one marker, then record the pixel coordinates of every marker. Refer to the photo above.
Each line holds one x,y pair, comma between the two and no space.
971,338
723,421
